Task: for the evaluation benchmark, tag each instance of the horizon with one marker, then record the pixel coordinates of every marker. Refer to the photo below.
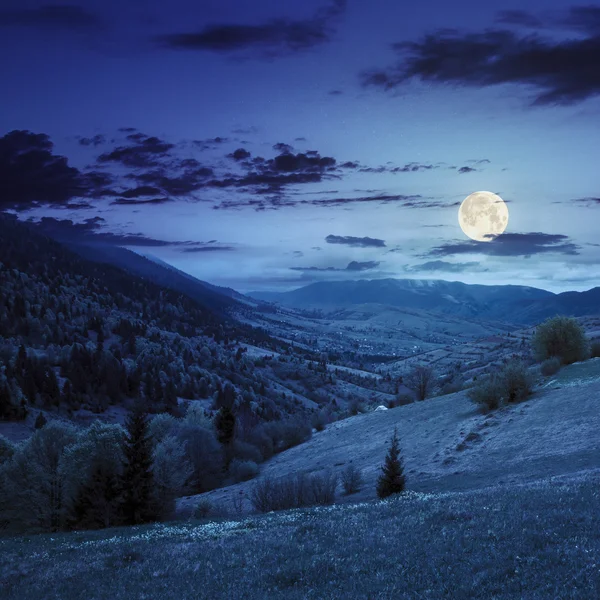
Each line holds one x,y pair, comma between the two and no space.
265,148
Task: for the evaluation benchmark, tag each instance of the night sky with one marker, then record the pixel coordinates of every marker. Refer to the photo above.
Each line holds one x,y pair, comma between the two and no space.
265,145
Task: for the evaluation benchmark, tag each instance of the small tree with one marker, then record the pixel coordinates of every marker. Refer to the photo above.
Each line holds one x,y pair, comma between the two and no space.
138,482
352,480
392,480
562,337
421,380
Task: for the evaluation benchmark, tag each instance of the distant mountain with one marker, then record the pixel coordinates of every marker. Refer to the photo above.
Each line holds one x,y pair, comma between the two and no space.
517,304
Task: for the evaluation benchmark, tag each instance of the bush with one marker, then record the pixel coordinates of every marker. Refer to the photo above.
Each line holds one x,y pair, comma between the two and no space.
243,470
487,392
516,381
562,337
319,420
550,366
7,449
245,451
352,480
595,349
293,491
202,509
404,398
512,384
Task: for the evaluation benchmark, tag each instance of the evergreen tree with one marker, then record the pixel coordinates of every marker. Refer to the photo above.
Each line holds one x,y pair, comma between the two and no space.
137,506
392,480
97,502
225,425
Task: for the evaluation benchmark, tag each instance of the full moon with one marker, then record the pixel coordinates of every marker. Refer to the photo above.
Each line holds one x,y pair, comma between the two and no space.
483,216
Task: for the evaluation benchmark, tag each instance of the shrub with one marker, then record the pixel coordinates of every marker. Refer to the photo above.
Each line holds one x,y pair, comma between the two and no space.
512,384
392,480
352,480
562,337
487,392
404,398
516,381
246,451
40,421
202,509
243,470
293,491
595,349
550,366
7,449
319,420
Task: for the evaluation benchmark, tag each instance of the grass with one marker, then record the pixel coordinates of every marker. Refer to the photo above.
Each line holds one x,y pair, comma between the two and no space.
578,373
539,540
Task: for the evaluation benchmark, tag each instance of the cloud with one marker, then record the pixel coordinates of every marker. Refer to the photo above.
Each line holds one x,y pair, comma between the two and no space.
239,154
466,170
584,19
560,71
443,267
136,201
278,37
96,140
146,151
57,16
31,174
591,201
207,249
511,244
355,242
352,266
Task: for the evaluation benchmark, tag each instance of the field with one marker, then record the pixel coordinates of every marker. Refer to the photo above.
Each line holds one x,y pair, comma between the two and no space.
535,540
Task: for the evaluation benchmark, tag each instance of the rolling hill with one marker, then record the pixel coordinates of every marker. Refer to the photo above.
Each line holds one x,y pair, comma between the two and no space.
509,303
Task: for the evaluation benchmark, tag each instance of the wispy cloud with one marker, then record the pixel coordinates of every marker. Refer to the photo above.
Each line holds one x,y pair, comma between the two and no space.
274,38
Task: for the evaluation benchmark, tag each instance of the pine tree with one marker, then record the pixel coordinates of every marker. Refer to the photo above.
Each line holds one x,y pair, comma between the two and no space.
97,502
137,506
392,480
225,425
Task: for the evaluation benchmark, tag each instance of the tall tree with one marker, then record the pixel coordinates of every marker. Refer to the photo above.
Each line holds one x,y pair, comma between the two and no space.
138,481
392,480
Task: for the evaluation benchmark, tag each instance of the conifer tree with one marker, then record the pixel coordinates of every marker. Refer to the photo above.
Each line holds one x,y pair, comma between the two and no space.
392,480
97,502
137,483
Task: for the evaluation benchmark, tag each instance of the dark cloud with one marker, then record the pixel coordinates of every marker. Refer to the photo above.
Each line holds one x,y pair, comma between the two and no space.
283,148
240,154
207,249
510,244
562,71
518,17
336,93
31,174
588,201
408,168
136,201
466,170
274,38
584,19
146,151
96,140
57,16
127,129
356,242
92,230
352,266
443,267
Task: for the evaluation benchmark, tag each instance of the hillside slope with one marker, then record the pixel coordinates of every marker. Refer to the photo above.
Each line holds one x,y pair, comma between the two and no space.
448,445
